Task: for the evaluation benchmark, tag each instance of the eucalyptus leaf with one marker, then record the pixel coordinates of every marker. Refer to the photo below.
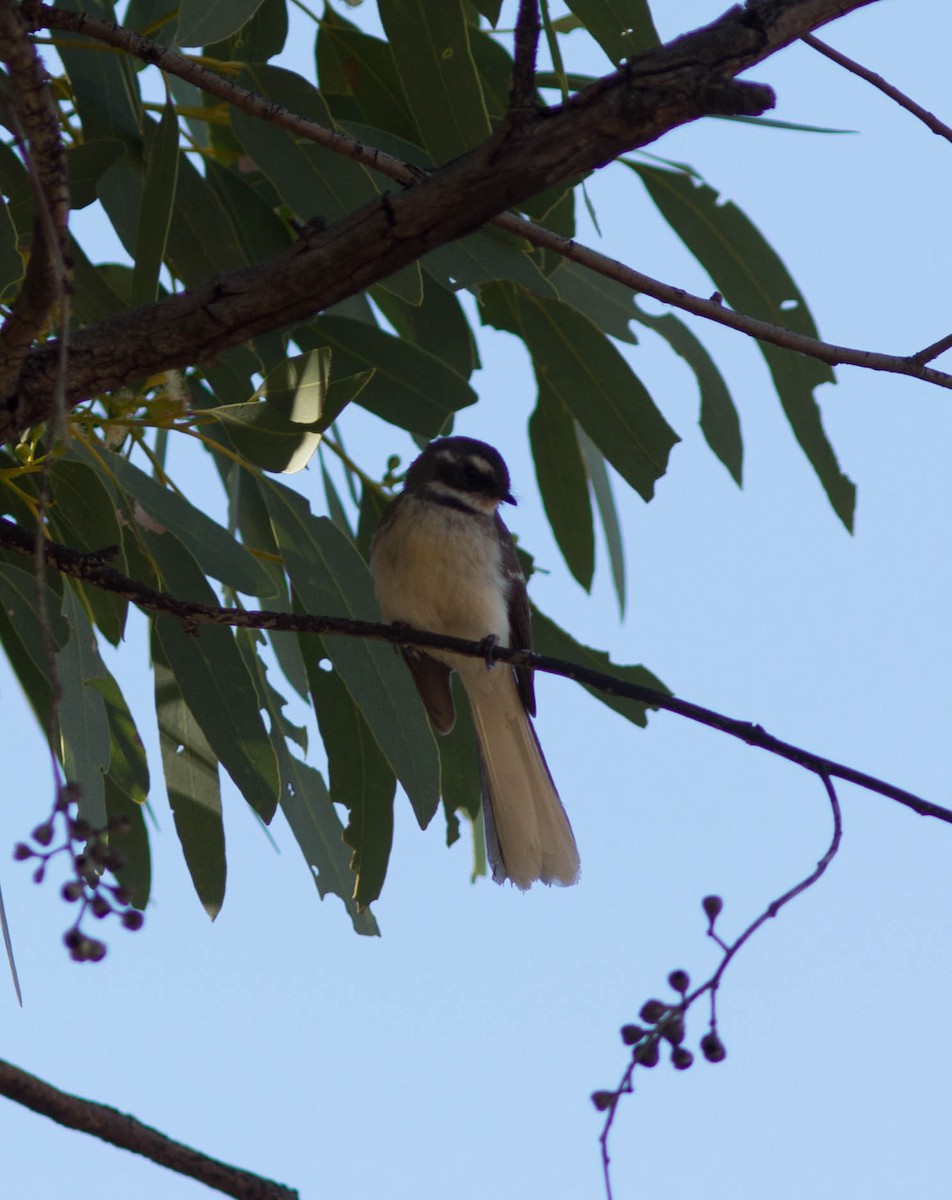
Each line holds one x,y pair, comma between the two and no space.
191,780
329,577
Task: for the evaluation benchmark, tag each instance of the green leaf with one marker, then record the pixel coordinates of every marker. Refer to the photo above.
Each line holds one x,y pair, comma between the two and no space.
605,502
720,422
335,506
83,516
191,779
549,639
360,776
18,602
597,385
753,280
622,28
319,833
128,767
83,721
216,550
563,483
103,84
352,63
608,304
312,181
329,577
86,163
202,239
281,432
251,514
260,38
438,325
204,21
133,844
430,44
490,10
158,198
214,680
261,231
93,297
490,254
409,387
120,192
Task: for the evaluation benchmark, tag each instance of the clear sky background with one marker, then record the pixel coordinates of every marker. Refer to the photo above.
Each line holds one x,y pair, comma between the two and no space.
455,1056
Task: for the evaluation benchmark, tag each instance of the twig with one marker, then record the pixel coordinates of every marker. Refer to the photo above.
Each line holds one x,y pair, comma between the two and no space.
522,93
933,351
409,174
110,1125
927,118
93,569
667,1020
715,310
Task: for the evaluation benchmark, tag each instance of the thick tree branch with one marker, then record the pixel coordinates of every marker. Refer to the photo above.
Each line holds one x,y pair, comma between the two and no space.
110,1125
927,118
33,116
406,173
691,77
93,568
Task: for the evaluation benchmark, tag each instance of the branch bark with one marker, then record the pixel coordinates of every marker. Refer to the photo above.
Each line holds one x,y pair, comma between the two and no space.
691,77
35,121
110,1125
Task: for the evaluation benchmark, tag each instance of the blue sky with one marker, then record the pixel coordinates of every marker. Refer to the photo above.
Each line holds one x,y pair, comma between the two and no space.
456,1054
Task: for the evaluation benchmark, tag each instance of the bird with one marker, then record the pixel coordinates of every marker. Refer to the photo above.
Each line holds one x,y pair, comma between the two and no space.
443,560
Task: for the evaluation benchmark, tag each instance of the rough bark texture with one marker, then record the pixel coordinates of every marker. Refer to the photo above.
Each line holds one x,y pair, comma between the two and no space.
693,76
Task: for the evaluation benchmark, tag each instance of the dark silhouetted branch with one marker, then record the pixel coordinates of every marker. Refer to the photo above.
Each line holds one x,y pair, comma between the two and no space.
94,569
110,1125
927,118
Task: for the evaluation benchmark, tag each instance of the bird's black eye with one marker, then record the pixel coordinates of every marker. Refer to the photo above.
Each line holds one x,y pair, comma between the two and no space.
473,474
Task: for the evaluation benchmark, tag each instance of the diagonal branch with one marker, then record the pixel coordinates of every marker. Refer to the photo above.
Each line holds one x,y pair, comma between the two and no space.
35,121
93,569
693,76
927,118
110,1125
407,173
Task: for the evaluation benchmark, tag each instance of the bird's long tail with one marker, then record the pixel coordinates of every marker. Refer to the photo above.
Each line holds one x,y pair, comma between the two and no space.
528,834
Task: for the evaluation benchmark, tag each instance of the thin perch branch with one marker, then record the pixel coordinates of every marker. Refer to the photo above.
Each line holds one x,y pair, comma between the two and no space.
927,118
110,1125
92,569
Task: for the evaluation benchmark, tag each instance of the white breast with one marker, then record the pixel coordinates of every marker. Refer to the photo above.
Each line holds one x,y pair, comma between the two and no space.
440,569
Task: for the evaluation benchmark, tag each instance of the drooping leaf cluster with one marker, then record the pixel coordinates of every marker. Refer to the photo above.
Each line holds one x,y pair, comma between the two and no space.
194,187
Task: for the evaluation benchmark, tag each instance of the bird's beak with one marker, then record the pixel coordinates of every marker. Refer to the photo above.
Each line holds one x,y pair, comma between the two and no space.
509,498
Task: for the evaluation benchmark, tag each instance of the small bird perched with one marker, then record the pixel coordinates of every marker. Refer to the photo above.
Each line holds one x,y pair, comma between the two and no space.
444,561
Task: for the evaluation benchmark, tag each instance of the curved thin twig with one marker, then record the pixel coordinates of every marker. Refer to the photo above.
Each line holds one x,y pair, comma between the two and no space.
94,569
110,1125
667,1021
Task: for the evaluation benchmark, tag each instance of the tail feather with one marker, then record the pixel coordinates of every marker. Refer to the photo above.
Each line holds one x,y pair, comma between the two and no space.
528,834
